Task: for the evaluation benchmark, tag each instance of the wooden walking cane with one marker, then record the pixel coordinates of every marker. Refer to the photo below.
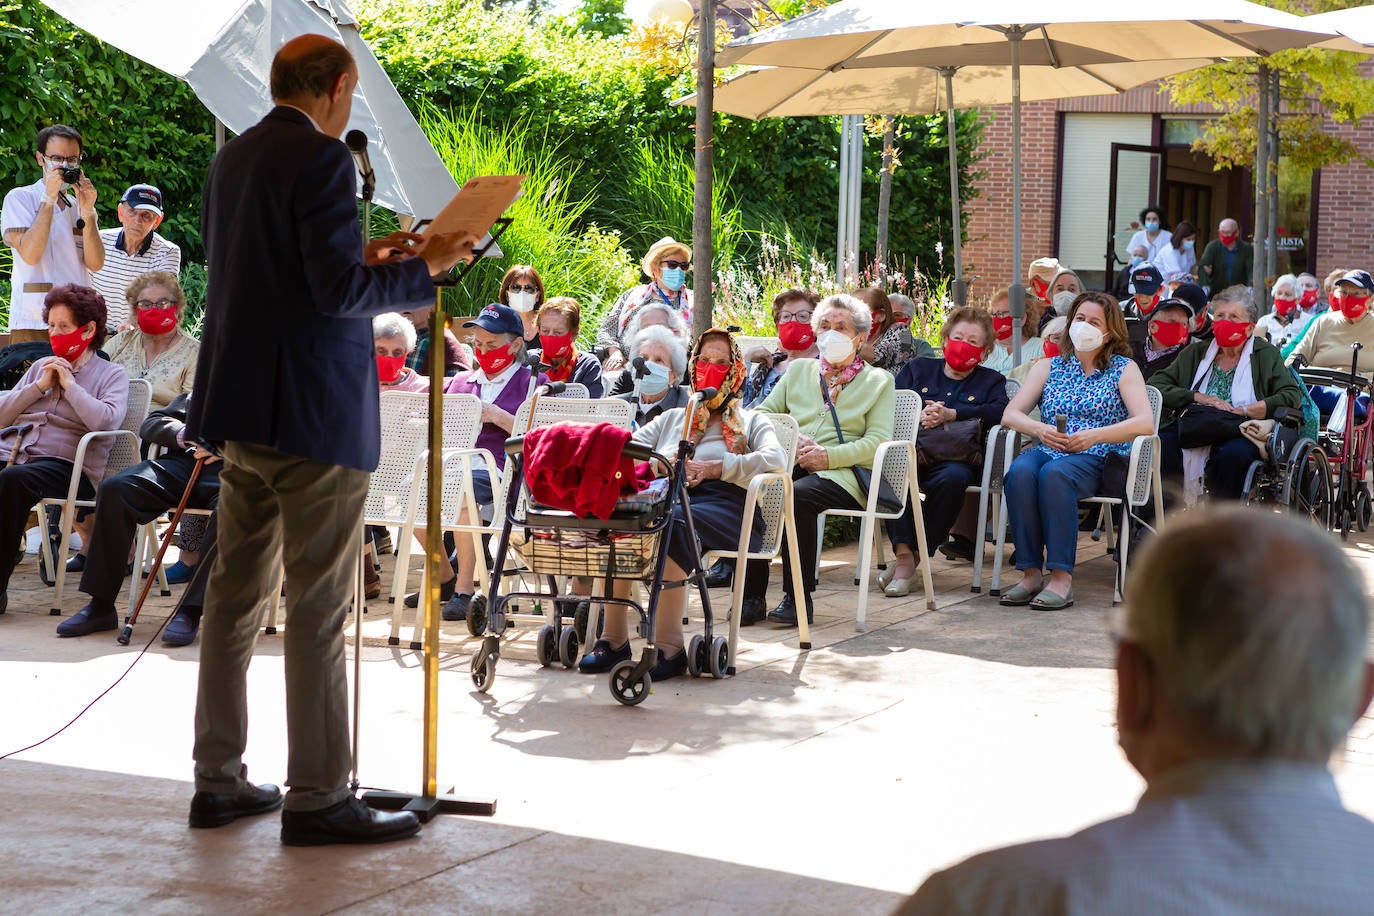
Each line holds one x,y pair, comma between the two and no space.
127,633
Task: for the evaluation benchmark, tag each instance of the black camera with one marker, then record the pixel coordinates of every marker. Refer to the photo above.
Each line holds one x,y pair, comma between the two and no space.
71,174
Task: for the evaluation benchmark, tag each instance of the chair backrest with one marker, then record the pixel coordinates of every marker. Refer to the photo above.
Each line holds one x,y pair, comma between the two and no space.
124,452
575,410
462,423
906,424
768,343
405,436
1156,404
772,500
573,390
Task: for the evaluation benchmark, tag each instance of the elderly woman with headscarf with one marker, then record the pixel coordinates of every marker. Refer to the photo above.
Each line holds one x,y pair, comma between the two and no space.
732,445
665,366
844,408
558,322
667,264
59,399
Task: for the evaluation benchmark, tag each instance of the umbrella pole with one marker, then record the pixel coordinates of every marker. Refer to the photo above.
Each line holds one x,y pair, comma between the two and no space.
1017,299
959,288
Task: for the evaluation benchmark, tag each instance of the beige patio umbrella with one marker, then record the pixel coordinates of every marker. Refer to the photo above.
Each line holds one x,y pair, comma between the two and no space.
867,34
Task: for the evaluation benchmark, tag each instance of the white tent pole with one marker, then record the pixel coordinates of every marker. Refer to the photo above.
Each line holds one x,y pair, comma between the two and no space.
841,217
1018,292
959,289
856,178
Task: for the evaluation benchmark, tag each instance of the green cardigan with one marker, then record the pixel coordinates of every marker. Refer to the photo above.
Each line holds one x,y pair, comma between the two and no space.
865,407
1274,384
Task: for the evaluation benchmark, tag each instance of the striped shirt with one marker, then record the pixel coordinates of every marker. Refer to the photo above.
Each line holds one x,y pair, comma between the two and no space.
1216,837
121,268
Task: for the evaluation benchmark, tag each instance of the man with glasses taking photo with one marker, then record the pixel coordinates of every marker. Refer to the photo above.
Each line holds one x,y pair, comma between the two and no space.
133,250
50,224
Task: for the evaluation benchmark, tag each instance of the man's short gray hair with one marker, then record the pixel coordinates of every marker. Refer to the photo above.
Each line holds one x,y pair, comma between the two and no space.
859,314
908,306
675,322
394,324
1257,626
1239,293
677,348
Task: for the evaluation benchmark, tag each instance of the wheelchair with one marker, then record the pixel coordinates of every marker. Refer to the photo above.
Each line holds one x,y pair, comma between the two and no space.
1347,445
1295,474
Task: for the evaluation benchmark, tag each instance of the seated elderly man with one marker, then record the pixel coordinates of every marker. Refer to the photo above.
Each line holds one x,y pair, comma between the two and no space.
1328,339
133,497
1240,666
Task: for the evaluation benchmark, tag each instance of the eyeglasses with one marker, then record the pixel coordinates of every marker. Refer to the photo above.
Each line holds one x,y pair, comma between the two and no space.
517,288
142,216
68,161
144,304
671,264
803,317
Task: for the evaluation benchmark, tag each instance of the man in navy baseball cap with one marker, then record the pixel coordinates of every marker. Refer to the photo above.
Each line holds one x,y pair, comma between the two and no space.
1146,284
498,319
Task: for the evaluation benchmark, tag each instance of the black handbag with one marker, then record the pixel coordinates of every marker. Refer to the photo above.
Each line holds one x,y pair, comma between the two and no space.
957,440
888,501
1202,425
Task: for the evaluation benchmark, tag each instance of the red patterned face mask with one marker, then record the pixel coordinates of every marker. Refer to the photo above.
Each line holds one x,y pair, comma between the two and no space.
69,346
1230,333
497,358
1169,333
1352,307
555,346
796,335
1285,307
961,356
1002,326
1308,298
709,375
1051,348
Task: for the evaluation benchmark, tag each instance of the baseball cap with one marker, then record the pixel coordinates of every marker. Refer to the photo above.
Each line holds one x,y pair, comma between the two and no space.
1194,295
1360,278
498,319
143,197
1044,270
1175,302
1147,280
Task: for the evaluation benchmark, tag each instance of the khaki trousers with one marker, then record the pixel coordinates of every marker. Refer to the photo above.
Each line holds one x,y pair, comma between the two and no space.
276,508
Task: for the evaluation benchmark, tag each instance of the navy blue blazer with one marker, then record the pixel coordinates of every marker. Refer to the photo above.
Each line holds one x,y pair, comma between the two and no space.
286,354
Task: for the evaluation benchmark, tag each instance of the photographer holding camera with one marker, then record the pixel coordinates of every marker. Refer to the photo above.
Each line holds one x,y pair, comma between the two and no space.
54,237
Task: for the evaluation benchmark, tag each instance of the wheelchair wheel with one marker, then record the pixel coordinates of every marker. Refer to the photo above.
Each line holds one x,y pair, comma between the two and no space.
1309,488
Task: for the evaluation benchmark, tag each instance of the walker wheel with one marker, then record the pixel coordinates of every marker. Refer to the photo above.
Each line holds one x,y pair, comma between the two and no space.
720,657
1363,510
477,616
568,646
626,690
697,662
547,645
483,671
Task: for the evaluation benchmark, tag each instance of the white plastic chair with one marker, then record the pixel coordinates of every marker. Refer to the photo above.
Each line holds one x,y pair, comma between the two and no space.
123,453
462,421
1002,448
1142,485
895,462
772,494
768,343
575,390
145,548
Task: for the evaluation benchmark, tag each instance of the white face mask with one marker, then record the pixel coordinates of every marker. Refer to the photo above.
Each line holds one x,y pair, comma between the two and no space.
835,346
521,301
1085,337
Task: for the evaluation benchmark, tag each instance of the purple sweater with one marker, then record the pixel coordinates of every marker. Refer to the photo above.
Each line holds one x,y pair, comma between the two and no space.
51,425
492,437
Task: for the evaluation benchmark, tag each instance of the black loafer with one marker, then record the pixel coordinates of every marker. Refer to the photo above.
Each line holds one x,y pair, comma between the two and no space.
751,611
456,608
77,563
668,666
182,628
89,620
957,548
721,574
445,592
603,657
786,611
215,809
350,821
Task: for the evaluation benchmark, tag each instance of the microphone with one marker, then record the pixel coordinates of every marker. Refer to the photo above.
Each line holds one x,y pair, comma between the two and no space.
356,141
640,367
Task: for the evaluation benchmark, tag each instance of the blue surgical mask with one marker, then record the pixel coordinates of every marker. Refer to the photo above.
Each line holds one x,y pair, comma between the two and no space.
673,278
1136,260
1152,225
1188,245
656,381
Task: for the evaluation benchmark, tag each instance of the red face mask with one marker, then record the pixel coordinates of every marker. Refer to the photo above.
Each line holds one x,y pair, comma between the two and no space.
1227,238
1169,333
157,321
497,358
389,368
796,335
1039,287
555,346
1230,333
1351,307
69,346
874,330
961,356
1149,305
1051,348
1308,298
1001,325
1285,307
901,319
709,375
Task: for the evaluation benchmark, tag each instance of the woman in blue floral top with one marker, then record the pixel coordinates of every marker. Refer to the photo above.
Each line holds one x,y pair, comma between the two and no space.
1100,393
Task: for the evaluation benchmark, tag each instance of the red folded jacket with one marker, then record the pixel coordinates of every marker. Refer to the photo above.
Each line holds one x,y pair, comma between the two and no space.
579,467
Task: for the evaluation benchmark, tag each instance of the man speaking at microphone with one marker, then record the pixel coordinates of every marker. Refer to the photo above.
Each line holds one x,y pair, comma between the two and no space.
295,414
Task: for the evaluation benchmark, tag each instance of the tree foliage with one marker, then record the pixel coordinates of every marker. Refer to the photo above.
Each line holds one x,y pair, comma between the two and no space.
138,123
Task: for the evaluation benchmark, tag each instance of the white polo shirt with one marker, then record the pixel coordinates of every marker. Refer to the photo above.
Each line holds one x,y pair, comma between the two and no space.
62,261
121,268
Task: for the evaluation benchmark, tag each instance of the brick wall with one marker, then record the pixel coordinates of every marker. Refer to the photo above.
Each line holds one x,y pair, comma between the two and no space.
988,250
1345,205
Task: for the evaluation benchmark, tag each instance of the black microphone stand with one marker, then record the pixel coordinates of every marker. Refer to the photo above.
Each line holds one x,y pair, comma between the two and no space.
429,803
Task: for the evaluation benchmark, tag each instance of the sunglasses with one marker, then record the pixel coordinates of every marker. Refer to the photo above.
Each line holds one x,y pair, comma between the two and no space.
527,288
671,264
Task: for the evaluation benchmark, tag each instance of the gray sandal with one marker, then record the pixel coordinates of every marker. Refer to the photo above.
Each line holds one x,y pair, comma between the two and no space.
1016,596
1054,602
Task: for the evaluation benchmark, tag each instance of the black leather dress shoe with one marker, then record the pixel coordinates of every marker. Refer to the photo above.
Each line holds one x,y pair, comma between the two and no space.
90,619
350,821
215,809
751,611
786,612
77,563
721,574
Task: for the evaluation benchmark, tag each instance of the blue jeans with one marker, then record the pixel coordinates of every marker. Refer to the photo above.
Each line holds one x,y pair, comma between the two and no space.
1042,504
